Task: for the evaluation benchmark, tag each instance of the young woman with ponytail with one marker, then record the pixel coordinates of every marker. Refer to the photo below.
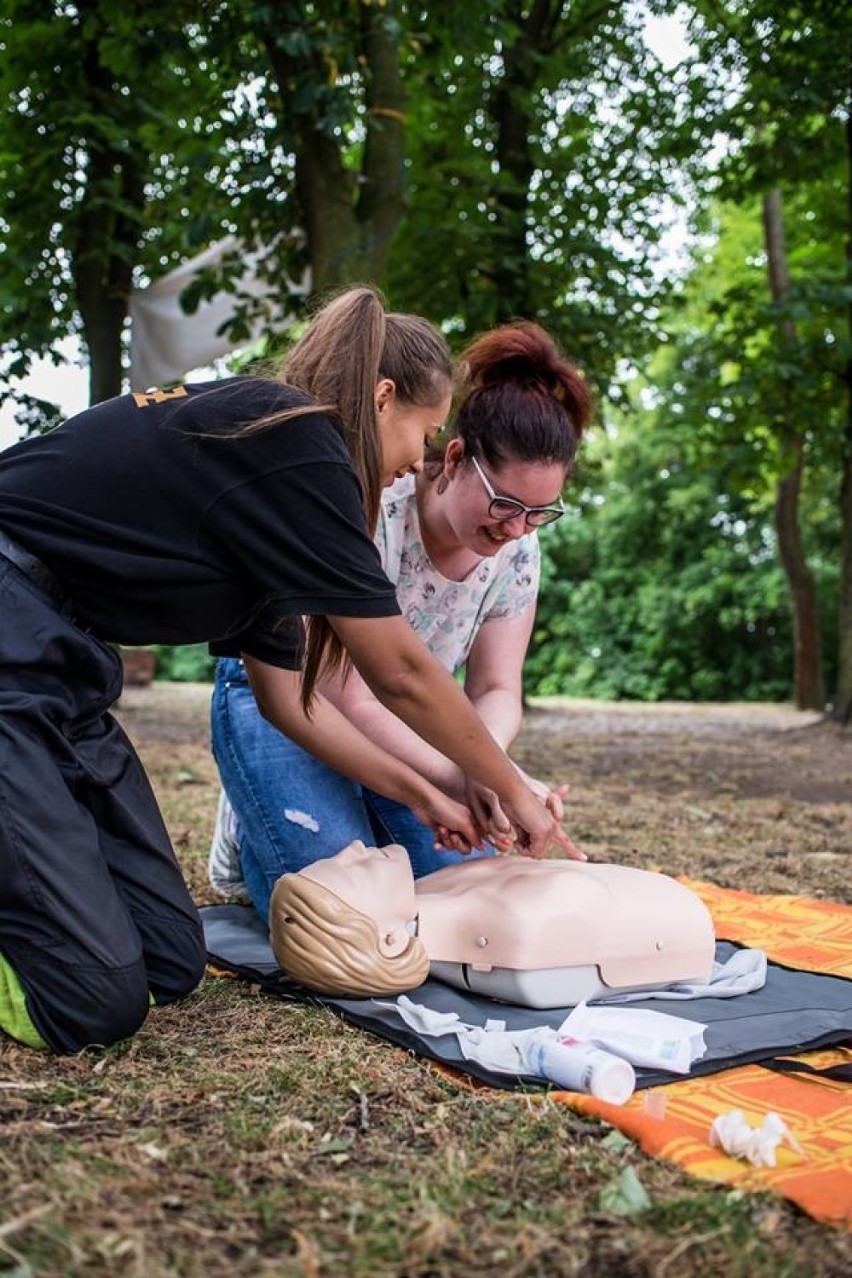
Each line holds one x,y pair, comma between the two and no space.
221,512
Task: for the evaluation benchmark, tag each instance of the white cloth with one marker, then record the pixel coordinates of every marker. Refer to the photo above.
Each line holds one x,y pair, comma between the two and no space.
495,1048
505,1051
650,1040
166,342
743,972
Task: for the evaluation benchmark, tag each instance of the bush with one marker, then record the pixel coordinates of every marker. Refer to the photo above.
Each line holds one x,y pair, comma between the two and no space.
189,663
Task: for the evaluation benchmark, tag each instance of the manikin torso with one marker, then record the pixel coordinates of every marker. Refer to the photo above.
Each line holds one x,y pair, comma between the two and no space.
539,933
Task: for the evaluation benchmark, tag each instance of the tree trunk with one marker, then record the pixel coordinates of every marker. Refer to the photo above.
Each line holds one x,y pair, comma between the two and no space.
349,217
108,228
511,253
103,313
515,127
842,703
809,686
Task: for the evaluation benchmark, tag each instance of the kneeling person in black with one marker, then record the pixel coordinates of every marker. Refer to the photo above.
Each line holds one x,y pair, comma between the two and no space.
221,513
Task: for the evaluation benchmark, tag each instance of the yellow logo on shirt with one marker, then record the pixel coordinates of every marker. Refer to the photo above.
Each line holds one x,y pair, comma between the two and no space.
143,398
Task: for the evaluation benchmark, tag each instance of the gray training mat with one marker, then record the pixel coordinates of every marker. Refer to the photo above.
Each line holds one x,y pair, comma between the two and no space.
796,1011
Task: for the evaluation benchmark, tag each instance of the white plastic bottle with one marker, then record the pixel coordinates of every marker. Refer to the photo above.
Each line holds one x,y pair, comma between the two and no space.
582,1067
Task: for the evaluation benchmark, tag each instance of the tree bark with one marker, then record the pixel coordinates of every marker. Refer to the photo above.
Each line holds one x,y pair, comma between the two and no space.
350,217
109,222
842,702
513,118
809,685
102,263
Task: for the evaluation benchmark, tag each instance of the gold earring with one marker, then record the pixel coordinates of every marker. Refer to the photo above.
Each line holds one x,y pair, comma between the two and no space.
442,484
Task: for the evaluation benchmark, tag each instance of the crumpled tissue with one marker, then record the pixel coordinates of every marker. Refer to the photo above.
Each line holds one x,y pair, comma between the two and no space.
492,1045
732,1133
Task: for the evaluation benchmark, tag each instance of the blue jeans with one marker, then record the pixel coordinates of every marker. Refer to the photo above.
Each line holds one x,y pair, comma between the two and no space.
291,808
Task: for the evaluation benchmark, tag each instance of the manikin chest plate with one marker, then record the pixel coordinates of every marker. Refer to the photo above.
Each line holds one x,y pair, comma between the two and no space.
552,933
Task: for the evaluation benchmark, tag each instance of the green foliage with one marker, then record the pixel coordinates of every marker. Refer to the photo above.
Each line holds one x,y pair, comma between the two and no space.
541,145
662,585
96,101
774,78
563,224
191,663
726,368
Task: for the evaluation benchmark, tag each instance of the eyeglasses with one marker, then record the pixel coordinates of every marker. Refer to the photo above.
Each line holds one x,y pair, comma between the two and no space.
505,508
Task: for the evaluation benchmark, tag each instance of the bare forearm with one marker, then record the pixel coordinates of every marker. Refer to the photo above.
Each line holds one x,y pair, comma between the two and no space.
498,707
357,703
411,684
500,711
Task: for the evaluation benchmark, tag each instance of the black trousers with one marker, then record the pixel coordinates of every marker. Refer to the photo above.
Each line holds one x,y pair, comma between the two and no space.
94,912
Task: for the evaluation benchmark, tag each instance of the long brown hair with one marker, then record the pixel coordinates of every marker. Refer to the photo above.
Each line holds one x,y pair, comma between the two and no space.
350,344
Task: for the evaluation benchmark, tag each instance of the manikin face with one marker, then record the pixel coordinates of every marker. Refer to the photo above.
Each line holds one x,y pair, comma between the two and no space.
377,882
464,504
405,430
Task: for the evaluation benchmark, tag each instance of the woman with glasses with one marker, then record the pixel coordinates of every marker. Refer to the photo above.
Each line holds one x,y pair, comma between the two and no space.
458,540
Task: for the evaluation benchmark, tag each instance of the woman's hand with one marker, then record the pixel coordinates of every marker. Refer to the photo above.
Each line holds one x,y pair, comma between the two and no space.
551,797
489,815
454,825
537,824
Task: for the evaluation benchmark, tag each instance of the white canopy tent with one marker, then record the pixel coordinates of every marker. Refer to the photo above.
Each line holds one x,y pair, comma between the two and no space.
166,342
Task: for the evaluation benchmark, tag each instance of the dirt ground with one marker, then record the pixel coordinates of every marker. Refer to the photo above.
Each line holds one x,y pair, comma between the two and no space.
750,796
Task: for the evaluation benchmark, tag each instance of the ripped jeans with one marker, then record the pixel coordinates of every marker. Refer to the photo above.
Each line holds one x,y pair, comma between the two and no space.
291,808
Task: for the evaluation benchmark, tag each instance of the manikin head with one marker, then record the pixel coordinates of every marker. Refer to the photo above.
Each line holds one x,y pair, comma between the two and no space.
345,925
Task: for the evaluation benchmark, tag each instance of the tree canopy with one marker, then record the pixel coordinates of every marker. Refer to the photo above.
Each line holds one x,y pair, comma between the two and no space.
681,225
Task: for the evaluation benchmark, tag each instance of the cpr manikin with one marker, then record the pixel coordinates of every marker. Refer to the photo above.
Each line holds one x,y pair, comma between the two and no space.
538,933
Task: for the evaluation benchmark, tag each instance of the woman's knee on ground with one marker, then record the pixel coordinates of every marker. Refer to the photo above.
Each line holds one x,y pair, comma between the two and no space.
88,1007
177,971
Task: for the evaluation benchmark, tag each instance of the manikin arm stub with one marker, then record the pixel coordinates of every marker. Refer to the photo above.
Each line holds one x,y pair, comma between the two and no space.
406,678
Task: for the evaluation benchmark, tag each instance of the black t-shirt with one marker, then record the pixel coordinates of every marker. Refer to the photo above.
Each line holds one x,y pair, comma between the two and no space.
163,527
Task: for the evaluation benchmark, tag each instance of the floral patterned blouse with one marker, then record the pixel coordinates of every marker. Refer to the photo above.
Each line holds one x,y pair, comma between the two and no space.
447,614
